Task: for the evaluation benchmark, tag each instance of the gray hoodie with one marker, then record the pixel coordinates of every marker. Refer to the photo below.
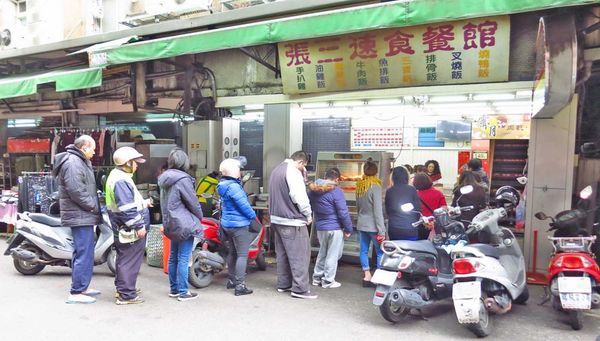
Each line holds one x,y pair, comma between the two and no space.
181,211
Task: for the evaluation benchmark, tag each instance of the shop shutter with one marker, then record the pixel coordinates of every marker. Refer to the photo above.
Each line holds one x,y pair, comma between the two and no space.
427,138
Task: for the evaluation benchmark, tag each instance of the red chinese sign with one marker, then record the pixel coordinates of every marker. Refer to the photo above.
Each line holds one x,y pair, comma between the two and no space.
468,51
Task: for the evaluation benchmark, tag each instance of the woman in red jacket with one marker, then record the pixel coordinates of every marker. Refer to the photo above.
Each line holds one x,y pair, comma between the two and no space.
431,199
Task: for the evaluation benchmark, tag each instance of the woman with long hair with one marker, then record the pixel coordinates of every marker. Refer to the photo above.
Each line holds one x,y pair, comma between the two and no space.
369,204
477,198
432,168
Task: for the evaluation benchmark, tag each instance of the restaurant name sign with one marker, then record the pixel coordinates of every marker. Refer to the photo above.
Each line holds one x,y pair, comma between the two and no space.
468,51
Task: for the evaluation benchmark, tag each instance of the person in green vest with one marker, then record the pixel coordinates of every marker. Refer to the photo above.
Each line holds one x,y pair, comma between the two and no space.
206,190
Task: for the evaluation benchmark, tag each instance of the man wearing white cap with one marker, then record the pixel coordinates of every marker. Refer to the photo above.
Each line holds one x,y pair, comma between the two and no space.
129,217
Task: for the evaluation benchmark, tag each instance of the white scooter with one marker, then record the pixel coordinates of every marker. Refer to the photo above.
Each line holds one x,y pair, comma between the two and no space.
490,276
41,240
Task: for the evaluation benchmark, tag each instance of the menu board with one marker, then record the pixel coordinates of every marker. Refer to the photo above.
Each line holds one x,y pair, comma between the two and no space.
375,138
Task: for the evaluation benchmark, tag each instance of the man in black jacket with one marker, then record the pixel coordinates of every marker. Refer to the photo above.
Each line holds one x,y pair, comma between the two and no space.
79,209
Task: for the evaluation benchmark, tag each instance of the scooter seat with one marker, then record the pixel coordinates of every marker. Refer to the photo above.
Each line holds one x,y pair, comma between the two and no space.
45,219
416,245
487,250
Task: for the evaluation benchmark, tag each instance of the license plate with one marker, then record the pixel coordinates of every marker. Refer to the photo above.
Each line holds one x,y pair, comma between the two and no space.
384,277
575,300
575,292
464,290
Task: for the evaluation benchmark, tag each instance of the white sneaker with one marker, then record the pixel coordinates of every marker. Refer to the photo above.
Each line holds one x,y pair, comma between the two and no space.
80,299
331,285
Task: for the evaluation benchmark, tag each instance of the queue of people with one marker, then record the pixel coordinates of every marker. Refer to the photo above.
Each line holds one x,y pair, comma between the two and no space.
291,208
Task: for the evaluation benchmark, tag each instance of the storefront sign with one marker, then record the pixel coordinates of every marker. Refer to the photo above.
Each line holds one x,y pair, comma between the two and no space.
502,127
375,138
468,51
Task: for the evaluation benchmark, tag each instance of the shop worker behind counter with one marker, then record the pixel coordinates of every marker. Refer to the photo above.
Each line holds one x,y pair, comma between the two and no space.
79,209
129,217
290,213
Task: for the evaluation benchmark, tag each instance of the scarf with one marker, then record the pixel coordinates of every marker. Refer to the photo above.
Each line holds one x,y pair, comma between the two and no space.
363,185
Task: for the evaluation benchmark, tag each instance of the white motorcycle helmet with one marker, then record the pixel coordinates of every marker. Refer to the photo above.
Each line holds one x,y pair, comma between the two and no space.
125,154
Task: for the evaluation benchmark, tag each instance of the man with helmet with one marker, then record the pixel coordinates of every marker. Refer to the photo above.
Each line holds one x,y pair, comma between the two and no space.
129,216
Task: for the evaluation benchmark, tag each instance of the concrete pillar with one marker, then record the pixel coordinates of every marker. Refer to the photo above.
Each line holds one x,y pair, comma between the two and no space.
282,135
550,178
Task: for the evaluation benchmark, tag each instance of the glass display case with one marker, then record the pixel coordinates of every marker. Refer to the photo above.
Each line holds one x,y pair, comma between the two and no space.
350,165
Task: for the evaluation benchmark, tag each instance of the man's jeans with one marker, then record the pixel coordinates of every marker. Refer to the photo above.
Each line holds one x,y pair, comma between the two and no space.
83,258
330,251
237,259
365,241
179,261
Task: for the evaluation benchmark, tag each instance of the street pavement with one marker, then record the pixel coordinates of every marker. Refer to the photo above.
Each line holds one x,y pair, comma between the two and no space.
33,308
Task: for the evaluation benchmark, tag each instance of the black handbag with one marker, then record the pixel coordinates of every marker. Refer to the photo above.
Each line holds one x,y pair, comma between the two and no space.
255,226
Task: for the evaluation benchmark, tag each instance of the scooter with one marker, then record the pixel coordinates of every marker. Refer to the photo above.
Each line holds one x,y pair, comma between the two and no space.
415,274
210,252
573,275
41,240
490,276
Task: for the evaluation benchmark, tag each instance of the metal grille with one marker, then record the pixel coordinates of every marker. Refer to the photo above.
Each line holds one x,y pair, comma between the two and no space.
154,247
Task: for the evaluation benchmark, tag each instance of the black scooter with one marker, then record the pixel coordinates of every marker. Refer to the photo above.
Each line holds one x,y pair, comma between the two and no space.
414,274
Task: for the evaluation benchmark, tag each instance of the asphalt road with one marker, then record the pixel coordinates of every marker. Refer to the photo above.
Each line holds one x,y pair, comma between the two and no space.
33,308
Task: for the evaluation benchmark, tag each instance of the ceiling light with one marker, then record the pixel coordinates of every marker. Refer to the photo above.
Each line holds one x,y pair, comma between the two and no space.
348,103
250,107
312,105
512,104
438,99
385,101
493,97
456,105
524,93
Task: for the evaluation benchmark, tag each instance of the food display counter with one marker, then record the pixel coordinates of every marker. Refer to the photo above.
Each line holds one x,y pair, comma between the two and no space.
350,165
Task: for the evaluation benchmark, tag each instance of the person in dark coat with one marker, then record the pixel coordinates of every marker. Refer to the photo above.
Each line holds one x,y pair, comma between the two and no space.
236,215
333,223
477,198
400,222
80,210
182,216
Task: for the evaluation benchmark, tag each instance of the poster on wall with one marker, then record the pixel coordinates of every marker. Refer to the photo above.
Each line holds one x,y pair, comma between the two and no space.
505,127
375,138
467,51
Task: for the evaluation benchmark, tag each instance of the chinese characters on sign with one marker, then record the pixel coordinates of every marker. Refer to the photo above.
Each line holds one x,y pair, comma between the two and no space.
375,138
468,51
501,127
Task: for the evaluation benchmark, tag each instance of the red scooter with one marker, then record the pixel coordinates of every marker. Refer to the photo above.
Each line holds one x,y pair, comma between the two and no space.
210,252
573,275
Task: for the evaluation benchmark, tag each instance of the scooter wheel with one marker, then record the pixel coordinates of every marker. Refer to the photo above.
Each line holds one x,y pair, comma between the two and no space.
261,263
198,278
576,319
522,299
111,260
391,312
28,268
482,328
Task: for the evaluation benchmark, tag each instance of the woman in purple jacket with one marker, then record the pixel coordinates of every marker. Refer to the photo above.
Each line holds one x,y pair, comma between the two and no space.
331,217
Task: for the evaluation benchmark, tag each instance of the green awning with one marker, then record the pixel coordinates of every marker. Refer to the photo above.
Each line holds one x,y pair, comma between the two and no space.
322,24
65,79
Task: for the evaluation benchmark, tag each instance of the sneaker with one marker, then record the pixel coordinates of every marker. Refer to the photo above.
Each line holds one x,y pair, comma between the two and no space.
230,285
306,295
284,289
137,292
187,296
80,299
173,294
91,292
317,281
135,300
241,290
331,285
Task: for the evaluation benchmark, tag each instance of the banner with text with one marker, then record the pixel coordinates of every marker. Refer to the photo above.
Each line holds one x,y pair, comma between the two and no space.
468,51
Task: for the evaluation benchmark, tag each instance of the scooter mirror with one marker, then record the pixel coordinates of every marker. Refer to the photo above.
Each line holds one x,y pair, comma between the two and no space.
541,216
586,192
522,180
407,207
466,189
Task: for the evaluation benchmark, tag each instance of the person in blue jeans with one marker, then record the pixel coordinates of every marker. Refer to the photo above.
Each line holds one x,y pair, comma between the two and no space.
182,215
369,204
236,215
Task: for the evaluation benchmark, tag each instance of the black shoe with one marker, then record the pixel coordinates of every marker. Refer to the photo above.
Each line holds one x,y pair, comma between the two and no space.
242,290
230,285
368,284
